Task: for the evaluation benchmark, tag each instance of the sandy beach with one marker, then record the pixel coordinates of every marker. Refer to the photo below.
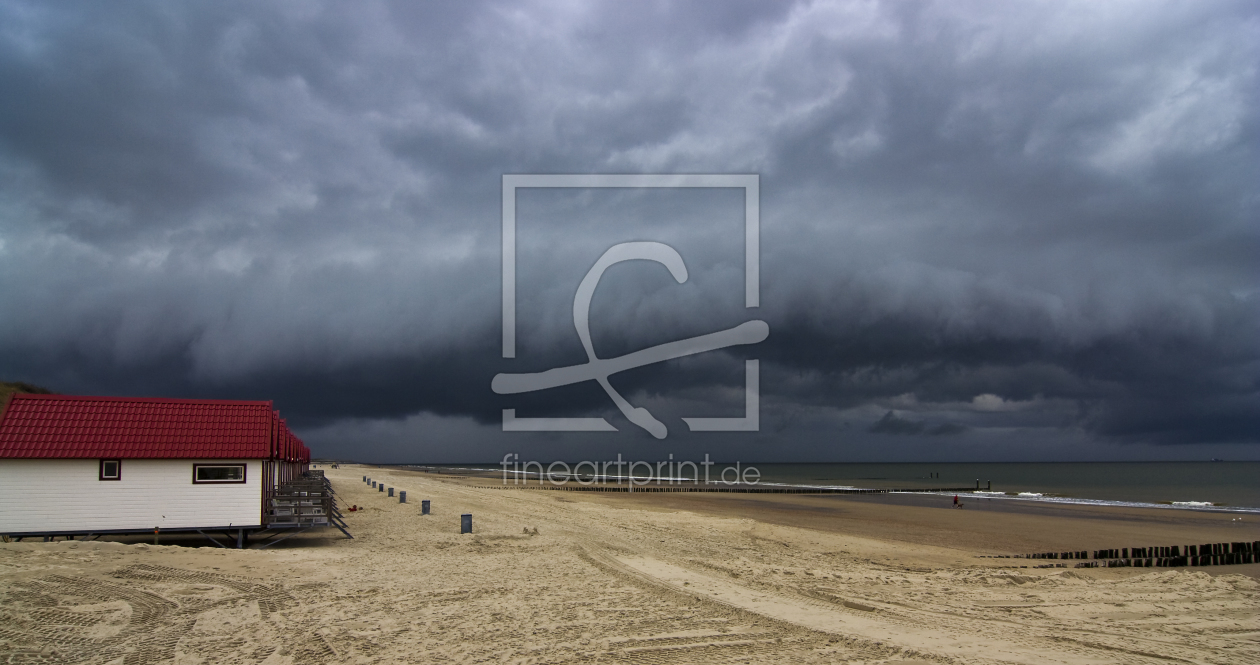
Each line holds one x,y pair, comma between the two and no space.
644,578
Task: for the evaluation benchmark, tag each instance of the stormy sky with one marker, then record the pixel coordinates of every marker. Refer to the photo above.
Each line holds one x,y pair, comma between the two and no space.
989,230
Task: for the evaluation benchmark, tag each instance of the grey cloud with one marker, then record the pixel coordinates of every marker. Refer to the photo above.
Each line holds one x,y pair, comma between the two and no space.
1048,203
892,424
946,429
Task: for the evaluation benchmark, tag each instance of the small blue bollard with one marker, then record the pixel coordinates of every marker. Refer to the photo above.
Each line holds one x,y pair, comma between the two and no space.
402,496
380,488
424,507
391,492
465,523
373,483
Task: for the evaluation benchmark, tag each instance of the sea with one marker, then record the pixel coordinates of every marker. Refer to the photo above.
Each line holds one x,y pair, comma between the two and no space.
1221,486
1218,486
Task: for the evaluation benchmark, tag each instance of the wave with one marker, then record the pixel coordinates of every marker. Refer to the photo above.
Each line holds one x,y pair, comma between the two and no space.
1205,506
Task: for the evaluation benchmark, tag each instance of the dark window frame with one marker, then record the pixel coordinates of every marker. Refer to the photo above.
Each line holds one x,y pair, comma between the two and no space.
117,470
244,474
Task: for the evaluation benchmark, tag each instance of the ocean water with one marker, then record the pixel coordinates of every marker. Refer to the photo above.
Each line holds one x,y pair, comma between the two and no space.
1233,486
1216,486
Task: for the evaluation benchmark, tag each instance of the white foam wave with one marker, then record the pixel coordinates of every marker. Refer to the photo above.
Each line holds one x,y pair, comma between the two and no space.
811,487
1173,505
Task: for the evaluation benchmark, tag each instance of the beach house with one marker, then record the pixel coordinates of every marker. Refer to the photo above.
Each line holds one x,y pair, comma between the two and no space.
72,466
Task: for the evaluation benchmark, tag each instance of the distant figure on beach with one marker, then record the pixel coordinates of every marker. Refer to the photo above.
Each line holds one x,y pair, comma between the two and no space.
955,500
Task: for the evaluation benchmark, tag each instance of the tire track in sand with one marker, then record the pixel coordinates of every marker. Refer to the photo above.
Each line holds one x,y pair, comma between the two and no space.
858,624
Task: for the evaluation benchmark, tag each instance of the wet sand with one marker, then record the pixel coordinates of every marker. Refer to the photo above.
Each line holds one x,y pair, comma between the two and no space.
982,526
643,578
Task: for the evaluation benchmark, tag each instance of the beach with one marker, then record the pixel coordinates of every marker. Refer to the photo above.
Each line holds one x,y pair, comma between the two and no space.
550,576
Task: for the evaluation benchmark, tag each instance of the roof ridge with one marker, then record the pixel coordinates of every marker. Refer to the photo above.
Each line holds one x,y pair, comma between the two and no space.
149,400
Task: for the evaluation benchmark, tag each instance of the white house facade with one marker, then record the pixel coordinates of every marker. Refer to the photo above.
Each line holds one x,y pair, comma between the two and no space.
68,495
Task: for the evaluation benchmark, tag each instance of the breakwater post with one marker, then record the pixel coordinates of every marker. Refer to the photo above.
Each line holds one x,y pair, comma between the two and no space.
1163,556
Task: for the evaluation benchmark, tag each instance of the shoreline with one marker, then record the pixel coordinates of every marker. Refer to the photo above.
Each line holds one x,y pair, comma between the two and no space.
771,487
982,527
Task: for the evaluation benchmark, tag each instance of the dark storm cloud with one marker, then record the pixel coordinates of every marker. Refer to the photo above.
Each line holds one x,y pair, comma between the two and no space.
891,424
978,219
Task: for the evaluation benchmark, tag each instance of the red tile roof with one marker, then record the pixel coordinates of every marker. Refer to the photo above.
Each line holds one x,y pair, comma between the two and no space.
65,426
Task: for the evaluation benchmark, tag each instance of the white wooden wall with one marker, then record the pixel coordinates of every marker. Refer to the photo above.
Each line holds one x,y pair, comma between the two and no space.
66,495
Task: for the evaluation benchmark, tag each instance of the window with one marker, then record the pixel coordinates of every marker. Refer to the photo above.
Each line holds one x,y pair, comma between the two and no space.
218,473
111,469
